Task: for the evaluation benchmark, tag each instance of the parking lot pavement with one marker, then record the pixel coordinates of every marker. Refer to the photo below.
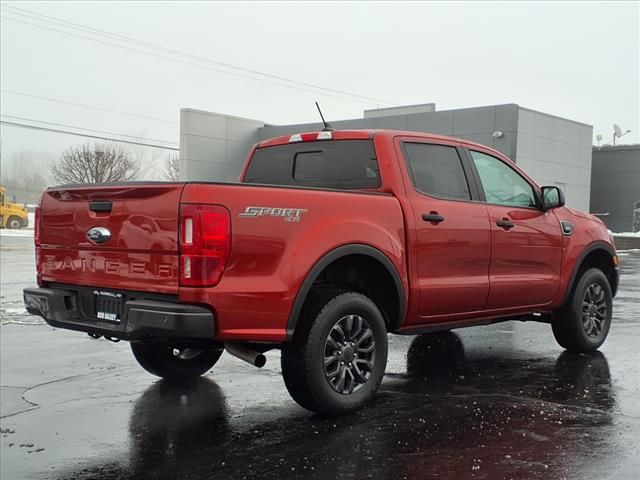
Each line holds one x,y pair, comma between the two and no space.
502,401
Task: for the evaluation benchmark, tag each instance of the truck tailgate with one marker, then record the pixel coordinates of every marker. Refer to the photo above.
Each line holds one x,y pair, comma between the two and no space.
142,251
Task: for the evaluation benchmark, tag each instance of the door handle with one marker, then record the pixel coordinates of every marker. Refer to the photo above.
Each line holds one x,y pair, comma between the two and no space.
505,223
432,217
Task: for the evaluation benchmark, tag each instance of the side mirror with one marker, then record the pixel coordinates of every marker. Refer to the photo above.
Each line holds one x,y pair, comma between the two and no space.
552,197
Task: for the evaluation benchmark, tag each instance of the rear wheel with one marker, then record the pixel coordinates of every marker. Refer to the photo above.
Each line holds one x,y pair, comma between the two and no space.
14,223
174,363
338,357
582,325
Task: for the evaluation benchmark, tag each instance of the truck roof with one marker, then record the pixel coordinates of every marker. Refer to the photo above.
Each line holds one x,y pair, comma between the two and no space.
363,135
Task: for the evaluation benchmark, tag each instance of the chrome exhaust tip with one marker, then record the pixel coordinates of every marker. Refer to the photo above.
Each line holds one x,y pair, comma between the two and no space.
246,353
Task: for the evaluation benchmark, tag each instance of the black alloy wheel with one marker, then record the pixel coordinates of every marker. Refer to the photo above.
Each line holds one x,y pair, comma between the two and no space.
349,354
338,355
594,310
583,323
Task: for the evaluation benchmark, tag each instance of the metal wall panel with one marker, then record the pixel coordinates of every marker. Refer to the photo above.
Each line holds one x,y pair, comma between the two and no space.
615,185
476,124
556,151
213,146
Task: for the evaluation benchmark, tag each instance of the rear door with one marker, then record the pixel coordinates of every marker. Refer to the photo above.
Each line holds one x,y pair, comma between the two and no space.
526,241
122,237
452,242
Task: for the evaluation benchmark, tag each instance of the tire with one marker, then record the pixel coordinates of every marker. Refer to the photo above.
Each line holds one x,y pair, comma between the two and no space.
353,373
168,362
582,325
14,223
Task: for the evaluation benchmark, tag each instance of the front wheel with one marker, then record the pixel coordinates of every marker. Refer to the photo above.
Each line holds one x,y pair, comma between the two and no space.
174,363
582,325
338,357
14,223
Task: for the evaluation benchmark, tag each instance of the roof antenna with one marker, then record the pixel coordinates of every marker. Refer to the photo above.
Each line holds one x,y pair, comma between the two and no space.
327,126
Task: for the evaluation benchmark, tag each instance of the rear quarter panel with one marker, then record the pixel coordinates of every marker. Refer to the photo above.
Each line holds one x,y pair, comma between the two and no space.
271,257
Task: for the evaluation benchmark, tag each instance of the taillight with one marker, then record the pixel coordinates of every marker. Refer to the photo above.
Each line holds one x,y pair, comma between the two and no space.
36,226
205,238
36,241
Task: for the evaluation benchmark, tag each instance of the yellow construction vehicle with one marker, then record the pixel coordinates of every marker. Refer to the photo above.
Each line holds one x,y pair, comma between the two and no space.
12,215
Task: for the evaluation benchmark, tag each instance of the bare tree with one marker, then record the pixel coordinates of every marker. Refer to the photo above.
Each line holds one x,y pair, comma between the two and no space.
97,163
172,168
23,175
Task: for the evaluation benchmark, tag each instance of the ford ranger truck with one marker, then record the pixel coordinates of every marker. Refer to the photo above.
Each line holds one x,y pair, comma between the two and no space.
332,240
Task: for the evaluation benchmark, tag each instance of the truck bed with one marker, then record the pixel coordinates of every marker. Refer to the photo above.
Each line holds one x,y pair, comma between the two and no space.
276,235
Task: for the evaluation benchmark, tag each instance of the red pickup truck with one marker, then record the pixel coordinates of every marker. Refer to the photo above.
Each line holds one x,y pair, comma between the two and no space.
331,240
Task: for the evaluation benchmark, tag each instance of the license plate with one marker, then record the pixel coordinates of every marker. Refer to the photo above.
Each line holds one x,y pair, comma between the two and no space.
108,305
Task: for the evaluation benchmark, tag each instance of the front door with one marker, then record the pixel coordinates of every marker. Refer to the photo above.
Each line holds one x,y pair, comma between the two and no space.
526,241
452,243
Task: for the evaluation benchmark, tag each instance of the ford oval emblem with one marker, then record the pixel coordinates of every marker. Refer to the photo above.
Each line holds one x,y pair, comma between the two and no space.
99,235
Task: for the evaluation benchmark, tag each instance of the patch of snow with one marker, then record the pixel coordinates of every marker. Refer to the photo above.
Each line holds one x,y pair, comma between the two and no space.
16,311
21,232
627,234
18,316
26,320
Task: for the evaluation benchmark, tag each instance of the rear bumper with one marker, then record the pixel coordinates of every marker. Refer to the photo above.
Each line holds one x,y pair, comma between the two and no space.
140,319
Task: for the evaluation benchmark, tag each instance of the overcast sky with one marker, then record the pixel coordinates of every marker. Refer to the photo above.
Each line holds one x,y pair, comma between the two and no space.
578,60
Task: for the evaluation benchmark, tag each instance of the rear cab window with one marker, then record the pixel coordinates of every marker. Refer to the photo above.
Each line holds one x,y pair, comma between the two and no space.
335,164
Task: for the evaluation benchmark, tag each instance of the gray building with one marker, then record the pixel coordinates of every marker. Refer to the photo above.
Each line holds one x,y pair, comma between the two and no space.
615,186
553,150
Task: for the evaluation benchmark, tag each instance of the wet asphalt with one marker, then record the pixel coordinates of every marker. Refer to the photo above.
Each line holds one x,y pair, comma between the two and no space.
503,401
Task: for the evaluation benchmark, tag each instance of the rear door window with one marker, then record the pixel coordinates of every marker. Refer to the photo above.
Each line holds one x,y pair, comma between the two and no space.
437,170
341,164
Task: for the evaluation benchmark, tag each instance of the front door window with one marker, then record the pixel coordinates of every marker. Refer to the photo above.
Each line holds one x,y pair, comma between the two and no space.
502,185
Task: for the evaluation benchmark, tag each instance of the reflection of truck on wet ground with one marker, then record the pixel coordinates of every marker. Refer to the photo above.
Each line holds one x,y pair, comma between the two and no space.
12,215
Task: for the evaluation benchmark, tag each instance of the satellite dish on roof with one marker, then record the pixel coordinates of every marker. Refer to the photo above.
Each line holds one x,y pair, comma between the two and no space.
617,130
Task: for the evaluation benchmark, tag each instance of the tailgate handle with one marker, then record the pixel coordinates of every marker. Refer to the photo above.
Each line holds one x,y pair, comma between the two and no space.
101,206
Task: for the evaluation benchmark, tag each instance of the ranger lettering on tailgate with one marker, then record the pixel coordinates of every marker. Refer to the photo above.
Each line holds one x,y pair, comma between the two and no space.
114,266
